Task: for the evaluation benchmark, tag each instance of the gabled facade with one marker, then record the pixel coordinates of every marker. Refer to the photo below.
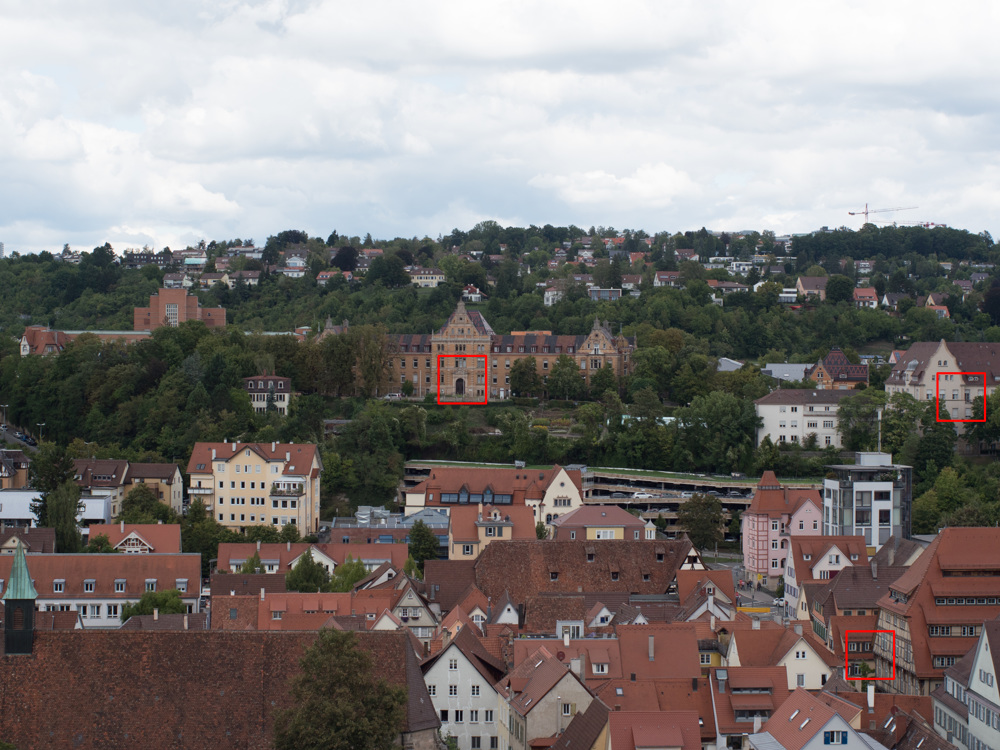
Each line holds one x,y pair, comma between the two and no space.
253,484
775,513
473,527
937,608
596,522
791,415
461,681
139,538
807,661
804,722
960,365
163,479
836,372
818,558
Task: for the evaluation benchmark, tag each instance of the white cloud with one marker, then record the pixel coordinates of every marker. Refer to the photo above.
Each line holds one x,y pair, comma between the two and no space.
217,119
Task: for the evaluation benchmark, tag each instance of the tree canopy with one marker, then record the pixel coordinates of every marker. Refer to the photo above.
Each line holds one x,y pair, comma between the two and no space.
338,702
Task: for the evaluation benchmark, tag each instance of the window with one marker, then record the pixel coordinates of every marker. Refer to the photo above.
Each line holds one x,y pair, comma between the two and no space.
600,668
800,654
705,658
453,690
459,716
494,743
452,665
774,525
800,680
474,716
567,709
276,614
553,576
150,584
834,738
58,586
112,610
444,715
466,549
88,586
476,742
802,525
488,716
475,691
431,689
119,585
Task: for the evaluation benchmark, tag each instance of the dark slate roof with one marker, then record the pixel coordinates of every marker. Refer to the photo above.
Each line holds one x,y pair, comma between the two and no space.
585,728
448,580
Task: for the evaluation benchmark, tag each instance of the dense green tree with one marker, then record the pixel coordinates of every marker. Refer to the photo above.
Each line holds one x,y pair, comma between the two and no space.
565,381
62,508
524,378
423,544
540,531
50,468
141,505
716,433
252,565
839,289
166,602
346,575
701,517
338,702
99,545
306,575
857,419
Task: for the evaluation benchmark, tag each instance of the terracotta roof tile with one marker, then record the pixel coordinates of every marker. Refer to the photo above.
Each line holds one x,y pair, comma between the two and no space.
448,580
161,537
585,728
640,729
465,517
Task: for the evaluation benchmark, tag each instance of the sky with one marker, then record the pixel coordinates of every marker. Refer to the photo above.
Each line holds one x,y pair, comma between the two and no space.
164,123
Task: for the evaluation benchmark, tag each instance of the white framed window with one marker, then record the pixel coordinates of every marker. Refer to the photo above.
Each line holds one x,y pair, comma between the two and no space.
800,680
705,658
58,586
432,690
88,586
475,691
600,668
150,584
453,690
119,585
452,664
488,715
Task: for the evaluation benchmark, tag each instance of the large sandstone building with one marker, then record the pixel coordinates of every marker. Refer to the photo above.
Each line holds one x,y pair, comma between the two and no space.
484,358
171,307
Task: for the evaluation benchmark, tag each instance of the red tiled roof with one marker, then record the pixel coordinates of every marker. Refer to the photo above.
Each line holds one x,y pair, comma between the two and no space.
297,458
448,581
464,518
34,540
531,680
632,730
526,568
812,716
663,695
689,580
772,679
162,674
162,537
817,546
590,650
99,472
232,554
521,484
772,499
103,570
674,647
605,516
766,647
164,472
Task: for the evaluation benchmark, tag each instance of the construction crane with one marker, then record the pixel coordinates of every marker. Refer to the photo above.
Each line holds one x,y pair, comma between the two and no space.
879,211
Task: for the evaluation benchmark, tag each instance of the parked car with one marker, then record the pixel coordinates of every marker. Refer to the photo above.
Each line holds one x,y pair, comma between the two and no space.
687,494
392,397
30,440
642,495
779,602
618,494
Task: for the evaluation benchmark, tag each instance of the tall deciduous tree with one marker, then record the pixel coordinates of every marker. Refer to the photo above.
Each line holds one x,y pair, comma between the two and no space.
839,289
524,379
167,602
338,702
62,507
701,516
142,506
306,575
347,574
565,381
423,544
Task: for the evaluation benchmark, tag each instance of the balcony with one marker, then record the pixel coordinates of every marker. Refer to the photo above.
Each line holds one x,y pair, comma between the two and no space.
199,490
295,490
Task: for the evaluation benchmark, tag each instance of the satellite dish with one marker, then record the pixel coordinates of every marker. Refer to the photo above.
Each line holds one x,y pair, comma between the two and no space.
560,655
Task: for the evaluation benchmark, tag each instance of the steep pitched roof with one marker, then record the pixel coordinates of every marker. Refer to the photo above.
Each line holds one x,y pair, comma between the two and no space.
773,500
448,580
464,519
164,472
810,716
520,484
178,674
531,680
816,546
161,537
99,472
690,580
530,567
297,458
767,646
770,685
632,730
664,695
585,728
659,650
19,582
491,668
35,540
799,396
599,515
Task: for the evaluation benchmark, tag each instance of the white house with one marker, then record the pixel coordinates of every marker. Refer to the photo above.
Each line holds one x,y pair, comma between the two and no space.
804,722
791,415
807,661
460,680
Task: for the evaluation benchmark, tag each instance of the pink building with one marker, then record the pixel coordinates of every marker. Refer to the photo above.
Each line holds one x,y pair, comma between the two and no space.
774,514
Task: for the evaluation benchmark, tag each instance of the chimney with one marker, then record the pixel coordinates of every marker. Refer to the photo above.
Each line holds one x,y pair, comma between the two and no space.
288,455
185,622
712,623
160,522
566,639
123,527
756,623
652,641
288,546
871,699
874,571
274,447
576,666
756,724
213,454
258,545
262,593
797,629
156,614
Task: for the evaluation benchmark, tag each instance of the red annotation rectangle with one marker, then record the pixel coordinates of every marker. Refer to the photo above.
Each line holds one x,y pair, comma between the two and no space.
472,372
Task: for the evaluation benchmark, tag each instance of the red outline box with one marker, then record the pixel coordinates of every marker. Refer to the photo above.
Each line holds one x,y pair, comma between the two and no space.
847,668
486,373
937,396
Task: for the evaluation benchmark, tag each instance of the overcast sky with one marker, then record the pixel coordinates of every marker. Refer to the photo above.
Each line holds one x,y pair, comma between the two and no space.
163,123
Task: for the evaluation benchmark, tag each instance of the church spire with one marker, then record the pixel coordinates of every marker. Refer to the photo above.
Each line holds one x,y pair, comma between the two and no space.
20,586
